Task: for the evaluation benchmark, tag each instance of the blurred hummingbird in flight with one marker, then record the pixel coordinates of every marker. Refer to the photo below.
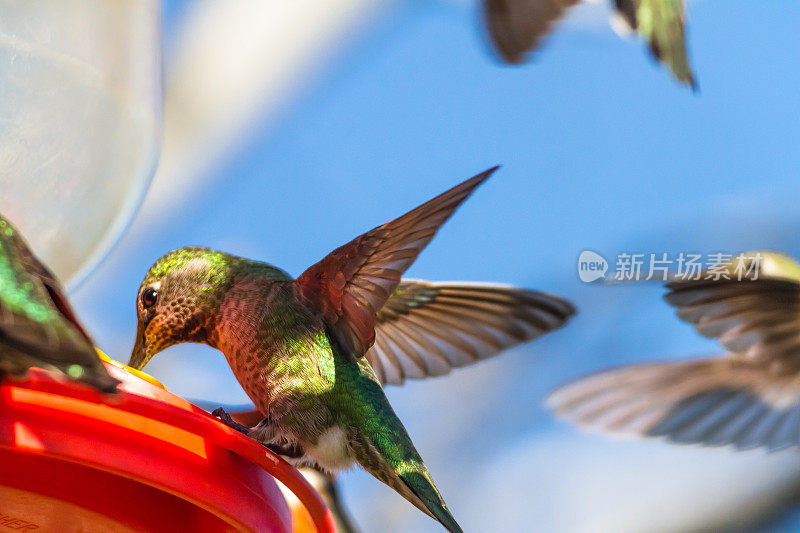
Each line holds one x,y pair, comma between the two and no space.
750,398
312,352
516,28
37,324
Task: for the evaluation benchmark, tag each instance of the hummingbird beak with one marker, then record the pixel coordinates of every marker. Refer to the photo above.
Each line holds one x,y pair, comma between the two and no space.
140,356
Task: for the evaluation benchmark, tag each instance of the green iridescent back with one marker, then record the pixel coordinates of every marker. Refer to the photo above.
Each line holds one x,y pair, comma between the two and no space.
37,324
19,294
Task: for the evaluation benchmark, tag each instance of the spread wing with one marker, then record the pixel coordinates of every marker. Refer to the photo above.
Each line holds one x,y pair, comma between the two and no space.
352,283
757,318
749,399
427,328
712,402
37,324
517,26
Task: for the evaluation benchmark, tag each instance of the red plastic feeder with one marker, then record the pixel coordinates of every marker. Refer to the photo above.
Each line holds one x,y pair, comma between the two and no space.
145,460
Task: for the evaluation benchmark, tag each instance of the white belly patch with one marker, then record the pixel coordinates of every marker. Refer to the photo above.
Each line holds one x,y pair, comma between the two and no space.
331,451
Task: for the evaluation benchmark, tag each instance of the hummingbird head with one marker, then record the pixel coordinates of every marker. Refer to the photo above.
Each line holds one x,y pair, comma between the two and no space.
178,299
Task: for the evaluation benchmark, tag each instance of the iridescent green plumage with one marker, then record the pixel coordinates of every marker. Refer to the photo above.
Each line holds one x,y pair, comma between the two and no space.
303,349
661,24
37,324
318,399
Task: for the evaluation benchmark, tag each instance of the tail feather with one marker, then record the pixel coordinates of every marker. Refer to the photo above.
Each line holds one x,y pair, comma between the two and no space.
377,440
409,477
421,484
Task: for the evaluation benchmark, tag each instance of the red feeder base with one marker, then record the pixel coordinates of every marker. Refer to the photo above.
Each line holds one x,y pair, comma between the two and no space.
145,460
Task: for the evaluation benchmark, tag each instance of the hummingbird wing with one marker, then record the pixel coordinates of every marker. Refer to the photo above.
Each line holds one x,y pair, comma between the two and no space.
38,327
660,23
427,328
352,283
749,399
517,26
757,318
713,402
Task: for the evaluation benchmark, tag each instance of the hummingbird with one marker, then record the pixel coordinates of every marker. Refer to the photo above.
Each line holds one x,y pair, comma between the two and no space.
516,28
38,327
456,315
750,398
312,352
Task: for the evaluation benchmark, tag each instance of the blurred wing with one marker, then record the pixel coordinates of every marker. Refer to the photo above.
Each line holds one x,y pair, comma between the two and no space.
750,399
37,324
352,283
661,24
425,328
517,26
711,402
757,318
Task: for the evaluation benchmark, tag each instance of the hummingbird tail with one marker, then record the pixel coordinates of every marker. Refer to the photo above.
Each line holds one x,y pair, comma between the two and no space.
377,440
711,402
408,476
421,484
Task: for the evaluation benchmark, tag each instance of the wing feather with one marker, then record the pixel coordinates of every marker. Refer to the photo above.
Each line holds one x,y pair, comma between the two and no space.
756,317
427,328
352,283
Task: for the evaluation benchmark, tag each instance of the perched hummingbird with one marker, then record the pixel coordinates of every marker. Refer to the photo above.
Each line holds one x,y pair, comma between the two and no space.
517,26
468,322
311,353
748,399
37,325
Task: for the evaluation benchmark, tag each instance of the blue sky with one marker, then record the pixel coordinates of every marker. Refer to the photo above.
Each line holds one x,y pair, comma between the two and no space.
600,149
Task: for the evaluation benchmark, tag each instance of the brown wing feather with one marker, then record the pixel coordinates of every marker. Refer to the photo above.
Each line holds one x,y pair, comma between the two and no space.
714,402
755,319
517,26
749,399
352,283
427,328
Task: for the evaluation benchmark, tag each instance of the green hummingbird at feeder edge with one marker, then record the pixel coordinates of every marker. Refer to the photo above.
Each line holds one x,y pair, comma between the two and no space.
750,398
38,327
311,352
455,309
516,28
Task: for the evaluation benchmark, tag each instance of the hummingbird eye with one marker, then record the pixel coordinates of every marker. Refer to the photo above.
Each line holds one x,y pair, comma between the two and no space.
149,297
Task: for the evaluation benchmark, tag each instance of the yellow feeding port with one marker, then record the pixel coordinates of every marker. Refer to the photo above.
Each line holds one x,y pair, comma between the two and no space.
138,373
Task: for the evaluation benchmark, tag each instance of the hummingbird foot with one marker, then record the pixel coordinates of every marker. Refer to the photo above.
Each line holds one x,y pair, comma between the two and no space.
291,451
225,417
